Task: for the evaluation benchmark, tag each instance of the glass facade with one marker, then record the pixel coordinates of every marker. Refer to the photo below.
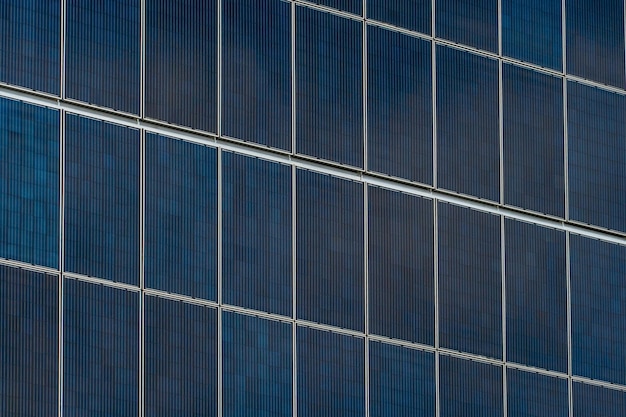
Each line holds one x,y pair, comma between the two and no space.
312,208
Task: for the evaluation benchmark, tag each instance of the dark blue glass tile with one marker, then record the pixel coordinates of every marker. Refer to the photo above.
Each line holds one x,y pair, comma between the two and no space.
100,351
598,309
408,14
531,31
401,266
351,6
331,373
256,71
402,381
31,39
181,62
595,40
258,364
536,296
470,281
103,53
595,401
329,246
535,395
29,341
399,103
469,388
180,359
101,200
257,229
181,217
468,138
596,123
533,140
29,185
470,22
329,87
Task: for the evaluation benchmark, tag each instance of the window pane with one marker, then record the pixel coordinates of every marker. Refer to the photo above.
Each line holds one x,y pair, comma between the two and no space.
594,401
470,22
409,14
352,6
535,395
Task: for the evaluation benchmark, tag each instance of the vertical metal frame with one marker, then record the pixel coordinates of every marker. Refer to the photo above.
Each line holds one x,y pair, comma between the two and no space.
61,253
570,386
503,300
435,205
366,295
219,283
294,358
142,269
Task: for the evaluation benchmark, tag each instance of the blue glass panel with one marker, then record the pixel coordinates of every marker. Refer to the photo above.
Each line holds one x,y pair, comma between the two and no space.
181,217
536,296
180,359
594,401
257,226
598,309
402,381
258,366
535,395
352,6
103,53
470,22
596,123
468,138
31,39
181,62
401,266
329,246
399,102
29,325
409,14
100,351
256,72
469,388
329,87
531,31
29,189
533,140
470,281
101,200
595,40
331,372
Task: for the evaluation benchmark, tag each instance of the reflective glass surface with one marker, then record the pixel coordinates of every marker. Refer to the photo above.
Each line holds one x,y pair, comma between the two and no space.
399,105
408,14
352,6
534,395
181,217
29,185
470,22
257,229
256,71
595,401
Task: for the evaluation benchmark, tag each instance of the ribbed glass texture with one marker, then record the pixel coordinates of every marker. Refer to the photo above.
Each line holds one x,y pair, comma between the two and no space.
29,185
181,217
595,401
351,6
408,14
535,395
469,22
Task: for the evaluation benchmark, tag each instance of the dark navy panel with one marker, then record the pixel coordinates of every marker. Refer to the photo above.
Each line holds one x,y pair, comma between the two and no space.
329,87
256,72
329,246
536,296
532,32
180,359
470,281
31,39
101,200
258,364
595,40
352,6
181,217
29,189
103,53
29,346
470,389
408,14
595,401
181,62
596,123
402,381
100,351
399,105
470,22
401,266
598,309
468,137
331,373
533,140
257,234
535,395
